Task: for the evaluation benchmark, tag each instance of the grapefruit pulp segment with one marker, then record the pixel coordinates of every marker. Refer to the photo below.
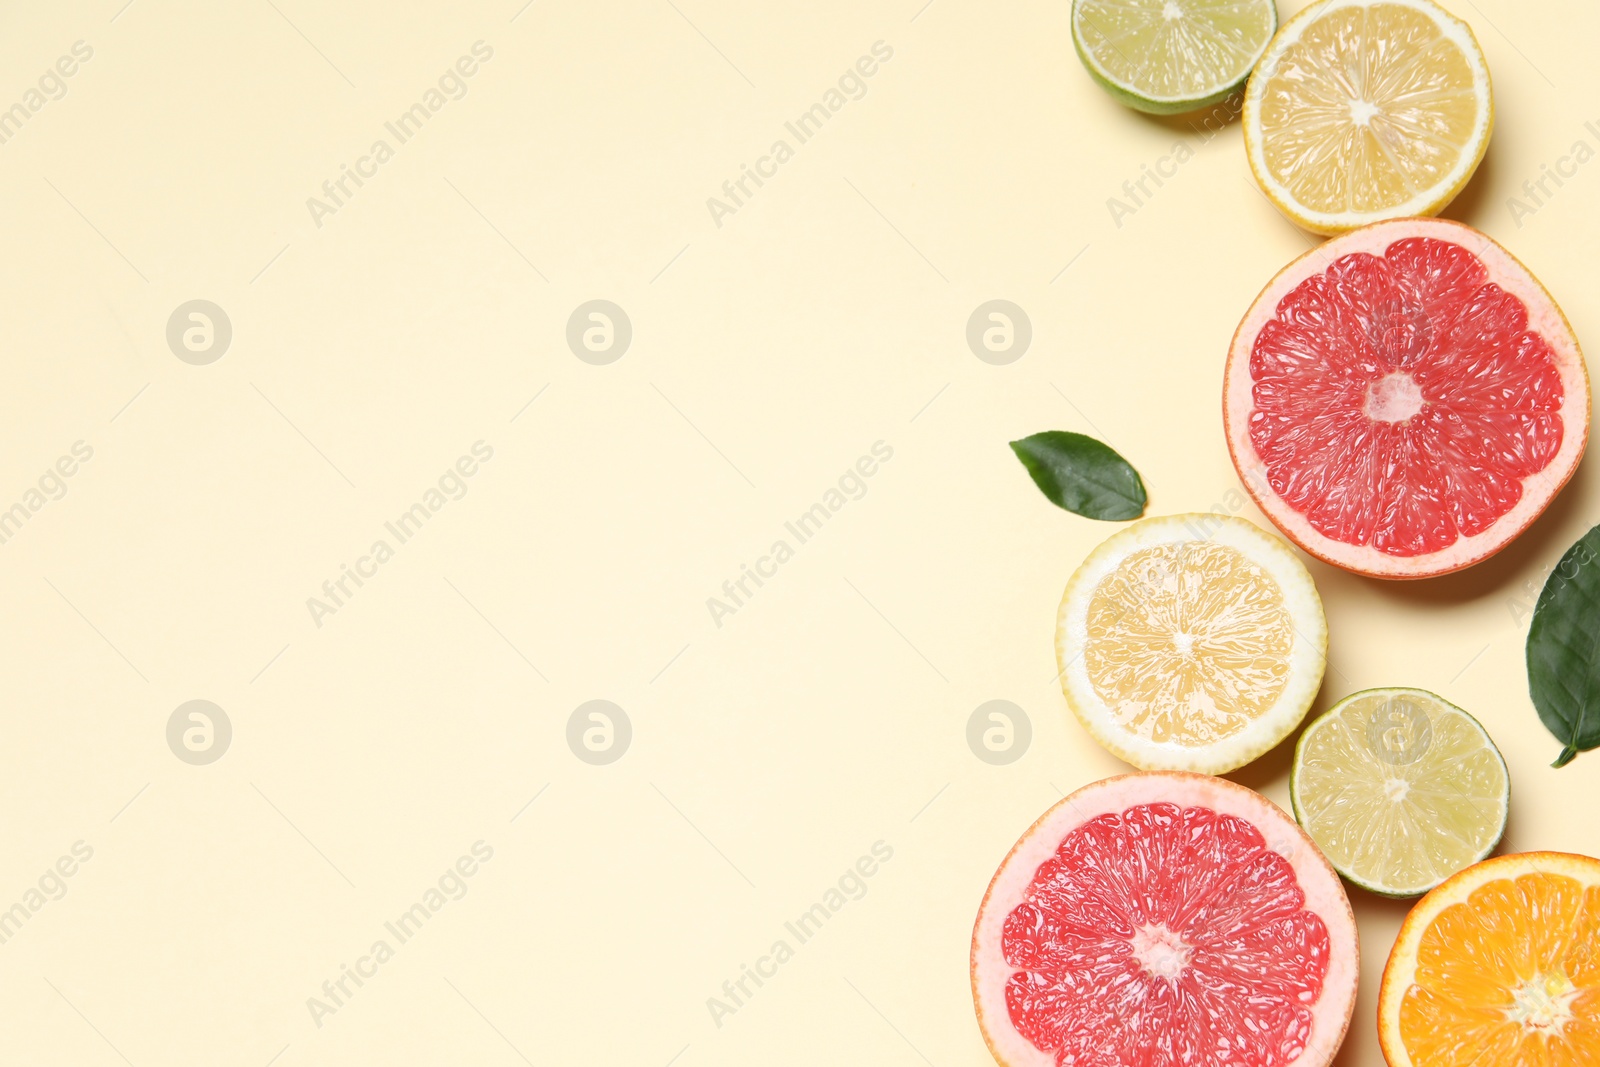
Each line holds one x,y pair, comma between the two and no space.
1406,399
1166,919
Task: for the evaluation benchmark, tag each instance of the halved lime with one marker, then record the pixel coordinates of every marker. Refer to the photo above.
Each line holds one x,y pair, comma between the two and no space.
1400,789
1170,56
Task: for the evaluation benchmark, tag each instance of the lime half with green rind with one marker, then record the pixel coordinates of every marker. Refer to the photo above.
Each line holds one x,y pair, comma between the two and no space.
1400,789
1166,57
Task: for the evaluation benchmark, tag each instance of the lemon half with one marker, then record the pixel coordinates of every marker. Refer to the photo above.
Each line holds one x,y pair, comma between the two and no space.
1191,642
1363,111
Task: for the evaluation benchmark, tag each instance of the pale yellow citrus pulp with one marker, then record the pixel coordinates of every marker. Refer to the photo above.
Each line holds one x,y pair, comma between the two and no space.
1190,642
1361,111
1400,789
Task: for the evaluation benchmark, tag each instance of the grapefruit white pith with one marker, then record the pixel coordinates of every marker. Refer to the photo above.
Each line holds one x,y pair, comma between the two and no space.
1406,399
1165,919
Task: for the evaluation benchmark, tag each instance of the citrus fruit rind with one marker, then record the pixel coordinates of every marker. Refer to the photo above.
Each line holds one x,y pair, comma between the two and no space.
1406,399
1190,642
1361,111
1165,57
1498,967
1400,789
1166,919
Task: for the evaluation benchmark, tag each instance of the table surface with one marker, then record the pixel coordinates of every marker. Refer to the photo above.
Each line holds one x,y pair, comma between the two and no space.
396,215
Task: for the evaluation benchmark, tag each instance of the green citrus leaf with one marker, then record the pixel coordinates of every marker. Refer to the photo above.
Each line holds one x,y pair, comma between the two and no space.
1082,475
1564,650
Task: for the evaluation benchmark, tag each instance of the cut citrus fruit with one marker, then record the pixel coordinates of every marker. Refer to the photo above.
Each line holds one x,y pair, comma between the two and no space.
1498,967
1170,56
1400,789
1190,642
1405,400
1363,110
1164,920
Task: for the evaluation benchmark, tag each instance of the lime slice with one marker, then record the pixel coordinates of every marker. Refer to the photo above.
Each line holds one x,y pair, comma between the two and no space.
1400,789
1169,56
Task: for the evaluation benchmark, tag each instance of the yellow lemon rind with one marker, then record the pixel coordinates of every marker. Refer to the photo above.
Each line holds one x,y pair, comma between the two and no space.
1307,658
1426,203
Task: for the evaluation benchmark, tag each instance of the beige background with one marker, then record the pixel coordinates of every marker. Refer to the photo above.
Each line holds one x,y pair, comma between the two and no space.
769,353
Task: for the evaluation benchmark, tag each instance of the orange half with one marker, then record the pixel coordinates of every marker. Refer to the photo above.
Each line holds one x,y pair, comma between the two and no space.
1498,967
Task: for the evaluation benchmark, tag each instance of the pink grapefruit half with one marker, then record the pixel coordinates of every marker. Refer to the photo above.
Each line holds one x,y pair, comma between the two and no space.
1404,400
1164,919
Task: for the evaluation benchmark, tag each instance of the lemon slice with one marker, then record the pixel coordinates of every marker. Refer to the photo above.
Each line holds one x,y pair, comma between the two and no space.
1190,642
1400,789
1170,56
1361,111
